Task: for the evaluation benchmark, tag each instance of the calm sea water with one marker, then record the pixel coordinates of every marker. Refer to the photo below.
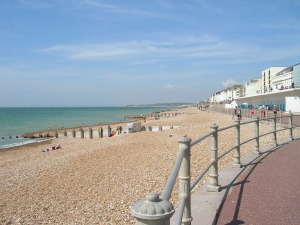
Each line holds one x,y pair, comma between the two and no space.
17,121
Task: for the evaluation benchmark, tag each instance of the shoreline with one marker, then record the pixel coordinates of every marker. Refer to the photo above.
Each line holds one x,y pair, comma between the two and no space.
34,137
96,181
135,118
37,119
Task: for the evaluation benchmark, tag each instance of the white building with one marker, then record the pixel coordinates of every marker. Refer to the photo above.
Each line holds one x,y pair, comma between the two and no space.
266,90
285,78
227,95
267,78
253,88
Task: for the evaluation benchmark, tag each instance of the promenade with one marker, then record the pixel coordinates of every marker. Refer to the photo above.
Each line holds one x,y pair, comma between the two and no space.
264,191
267,192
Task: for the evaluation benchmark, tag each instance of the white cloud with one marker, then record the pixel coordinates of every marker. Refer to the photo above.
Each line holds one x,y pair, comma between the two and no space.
229,83
186,47
174,48
168,86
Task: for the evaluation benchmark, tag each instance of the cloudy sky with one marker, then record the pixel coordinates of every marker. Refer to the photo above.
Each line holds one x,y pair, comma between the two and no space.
116,52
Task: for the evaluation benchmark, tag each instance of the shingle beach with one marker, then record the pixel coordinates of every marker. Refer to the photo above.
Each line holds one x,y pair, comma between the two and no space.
96,181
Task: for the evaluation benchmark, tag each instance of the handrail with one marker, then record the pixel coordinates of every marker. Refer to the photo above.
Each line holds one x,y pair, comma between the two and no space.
265,134
182,167
201,138
172,178
246,122
181,208
225,153
283,129
202,174
226,128
249,140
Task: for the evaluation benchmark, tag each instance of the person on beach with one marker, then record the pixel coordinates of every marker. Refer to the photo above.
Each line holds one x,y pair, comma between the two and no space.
263,111
275,110
234,115
239,113
52,148
252,111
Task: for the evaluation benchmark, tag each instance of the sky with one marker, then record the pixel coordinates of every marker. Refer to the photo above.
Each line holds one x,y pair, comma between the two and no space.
116,52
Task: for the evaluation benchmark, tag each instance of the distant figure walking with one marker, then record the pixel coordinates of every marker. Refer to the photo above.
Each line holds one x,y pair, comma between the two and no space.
239,113
234,115
275,110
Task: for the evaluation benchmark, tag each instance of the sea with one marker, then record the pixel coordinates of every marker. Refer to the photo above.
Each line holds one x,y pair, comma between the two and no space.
15,121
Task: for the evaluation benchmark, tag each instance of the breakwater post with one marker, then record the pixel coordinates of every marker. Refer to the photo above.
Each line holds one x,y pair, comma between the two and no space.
100,132
108,131
90,133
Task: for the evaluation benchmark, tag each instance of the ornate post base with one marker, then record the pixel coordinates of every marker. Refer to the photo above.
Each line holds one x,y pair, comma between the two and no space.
213,188
236,165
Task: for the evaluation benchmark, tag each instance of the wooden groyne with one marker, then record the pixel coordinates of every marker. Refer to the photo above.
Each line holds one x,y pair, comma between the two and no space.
89,132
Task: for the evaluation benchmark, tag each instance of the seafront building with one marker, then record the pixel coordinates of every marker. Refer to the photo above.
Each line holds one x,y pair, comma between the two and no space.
278,86
267,78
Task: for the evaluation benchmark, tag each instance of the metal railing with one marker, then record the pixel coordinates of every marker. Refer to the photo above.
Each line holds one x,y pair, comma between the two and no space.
160,210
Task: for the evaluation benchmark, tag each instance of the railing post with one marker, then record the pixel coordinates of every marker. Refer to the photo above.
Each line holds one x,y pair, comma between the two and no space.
73,133
152,210
184,177
291,127
256,135
65,133
213,172
236,154
274,139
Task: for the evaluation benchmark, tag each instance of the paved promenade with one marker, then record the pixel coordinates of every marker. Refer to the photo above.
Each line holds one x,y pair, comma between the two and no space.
268,192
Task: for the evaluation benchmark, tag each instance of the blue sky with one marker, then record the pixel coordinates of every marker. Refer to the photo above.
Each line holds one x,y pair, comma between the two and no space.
111,53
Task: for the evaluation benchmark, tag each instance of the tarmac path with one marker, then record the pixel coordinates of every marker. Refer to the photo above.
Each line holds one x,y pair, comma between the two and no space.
268,192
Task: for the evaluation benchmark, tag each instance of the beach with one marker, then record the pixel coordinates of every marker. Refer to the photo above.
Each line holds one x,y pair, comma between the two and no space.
96,181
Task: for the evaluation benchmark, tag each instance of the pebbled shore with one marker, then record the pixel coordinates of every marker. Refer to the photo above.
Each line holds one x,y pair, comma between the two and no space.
96,181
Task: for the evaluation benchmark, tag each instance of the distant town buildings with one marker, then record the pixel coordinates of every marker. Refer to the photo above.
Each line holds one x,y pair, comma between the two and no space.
278,86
